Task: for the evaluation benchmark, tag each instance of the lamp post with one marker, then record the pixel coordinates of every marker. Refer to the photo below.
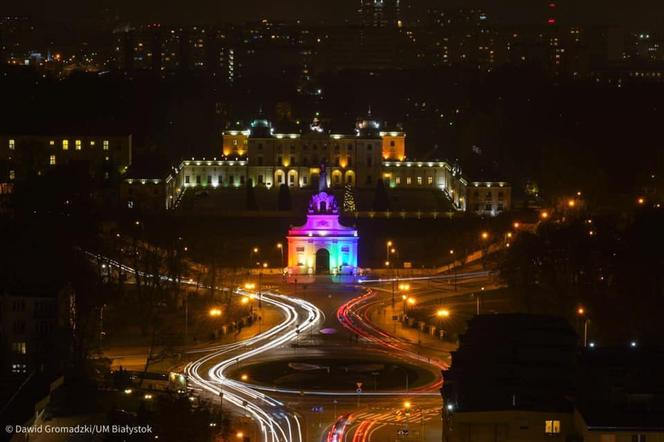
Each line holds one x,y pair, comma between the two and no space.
388,245
581,313
281,250
260,280
441,314
454,268
252,252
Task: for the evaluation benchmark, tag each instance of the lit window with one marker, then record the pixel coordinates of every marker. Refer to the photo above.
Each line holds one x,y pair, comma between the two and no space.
552,427
419,180
408,180
92,143
78,144
12,175
430,180
51,143
397,180
107,158
65,144
19,368
105,144
51,160
19,347
12,144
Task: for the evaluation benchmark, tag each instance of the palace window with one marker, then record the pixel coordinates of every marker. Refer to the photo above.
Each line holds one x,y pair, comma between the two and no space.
409,180
12,144
105,145
209,181
78,143
260,179
392,144
419,180
552,426
280,179
12,175
487,207
304,180
51,143
397,180
186,179
242,180
198,180
51,160
65,144
291,179
430,180
92,143
231,180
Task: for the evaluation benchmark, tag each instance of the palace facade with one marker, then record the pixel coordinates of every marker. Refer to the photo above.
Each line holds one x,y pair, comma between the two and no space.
266,158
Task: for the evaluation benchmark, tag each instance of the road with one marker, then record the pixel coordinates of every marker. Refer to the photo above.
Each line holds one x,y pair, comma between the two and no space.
357,324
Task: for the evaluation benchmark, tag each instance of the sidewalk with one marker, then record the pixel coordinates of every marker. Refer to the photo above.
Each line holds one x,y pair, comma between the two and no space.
133,357
421,341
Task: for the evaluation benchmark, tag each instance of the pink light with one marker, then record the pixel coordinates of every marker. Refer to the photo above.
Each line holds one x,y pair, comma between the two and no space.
551,21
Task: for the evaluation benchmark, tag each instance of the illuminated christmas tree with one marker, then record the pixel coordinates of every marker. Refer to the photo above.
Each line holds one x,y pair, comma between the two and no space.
349,199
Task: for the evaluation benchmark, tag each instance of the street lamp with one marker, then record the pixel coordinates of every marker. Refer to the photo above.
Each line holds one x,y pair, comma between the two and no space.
281,250
215,312
581,313
252,252
485,235
244,377
388,246
441,314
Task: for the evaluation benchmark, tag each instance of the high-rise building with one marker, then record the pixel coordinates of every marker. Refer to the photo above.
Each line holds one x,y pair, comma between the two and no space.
380,13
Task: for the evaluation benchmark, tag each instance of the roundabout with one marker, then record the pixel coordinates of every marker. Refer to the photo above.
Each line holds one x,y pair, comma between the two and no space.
377,374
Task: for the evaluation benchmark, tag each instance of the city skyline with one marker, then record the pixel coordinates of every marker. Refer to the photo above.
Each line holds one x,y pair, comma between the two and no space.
641,13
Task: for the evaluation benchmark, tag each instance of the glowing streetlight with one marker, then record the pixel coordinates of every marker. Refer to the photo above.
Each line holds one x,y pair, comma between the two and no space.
641,201
407,405
544,215
443,313
281,250
485,235
571,203
147,396
244,377
239,435
387,263
215,312
411,301
516,225
244,300
249,285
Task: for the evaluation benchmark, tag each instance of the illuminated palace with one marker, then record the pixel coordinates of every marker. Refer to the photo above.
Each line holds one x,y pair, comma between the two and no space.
322,244
267,158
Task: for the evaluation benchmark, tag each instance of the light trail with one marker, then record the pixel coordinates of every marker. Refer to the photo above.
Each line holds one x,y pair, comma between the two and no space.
276,424
273,419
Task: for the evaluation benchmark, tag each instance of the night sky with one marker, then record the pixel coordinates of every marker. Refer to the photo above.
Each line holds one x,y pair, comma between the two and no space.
633,13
